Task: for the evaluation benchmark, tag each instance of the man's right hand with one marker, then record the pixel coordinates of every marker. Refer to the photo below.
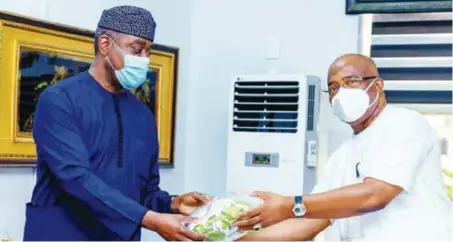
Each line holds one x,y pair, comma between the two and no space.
170,226
275,209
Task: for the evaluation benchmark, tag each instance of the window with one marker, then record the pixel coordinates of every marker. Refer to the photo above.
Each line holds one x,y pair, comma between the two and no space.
413,53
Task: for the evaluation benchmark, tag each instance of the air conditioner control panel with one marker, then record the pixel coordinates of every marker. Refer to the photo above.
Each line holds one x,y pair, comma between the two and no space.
262,159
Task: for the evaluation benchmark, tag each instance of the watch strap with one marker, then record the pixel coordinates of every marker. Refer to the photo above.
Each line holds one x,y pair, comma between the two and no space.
299,208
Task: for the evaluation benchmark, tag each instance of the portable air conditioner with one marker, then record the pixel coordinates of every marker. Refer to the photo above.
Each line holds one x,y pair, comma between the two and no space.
272,134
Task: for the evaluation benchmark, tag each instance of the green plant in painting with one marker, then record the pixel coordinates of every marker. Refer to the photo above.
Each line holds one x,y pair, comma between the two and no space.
143,92
449,176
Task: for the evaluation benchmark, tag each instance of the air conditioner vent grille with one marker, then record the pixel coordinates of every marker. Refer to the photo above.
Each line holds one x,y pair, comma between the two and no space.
267,106
311,107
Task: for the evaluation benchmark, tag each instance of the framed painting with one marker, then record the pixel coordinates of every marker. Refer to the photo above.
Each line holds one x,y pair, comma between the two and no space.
36,54
395,6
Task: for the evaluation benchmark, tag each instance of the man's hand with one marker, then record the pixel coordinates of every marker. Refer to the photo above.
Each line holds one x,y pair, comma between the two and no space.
187,203
171,226
275,208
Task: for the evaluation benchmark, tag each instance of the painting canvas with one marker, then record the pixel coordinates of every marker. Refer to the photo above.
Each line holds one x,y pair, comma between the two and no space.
38,70
35,55
397,6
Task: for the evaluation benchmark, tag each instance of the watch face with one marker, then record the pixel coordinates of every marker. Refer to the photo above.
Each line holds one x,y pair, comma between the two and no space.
299,210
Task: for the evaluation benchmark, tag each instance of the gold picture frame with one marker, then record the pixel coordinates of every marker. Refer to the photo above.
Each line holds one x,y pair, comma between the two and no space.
25,44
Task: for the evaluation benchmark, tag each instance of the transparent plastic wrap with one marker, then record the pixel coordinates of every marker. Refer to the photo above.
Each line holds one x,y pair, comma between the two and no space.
216,218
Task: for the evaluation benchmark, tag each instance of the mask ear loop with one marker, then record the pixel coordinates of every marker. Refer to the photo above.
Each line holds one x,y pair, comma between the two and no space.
107,57
108,60
113,41
377,93
366,89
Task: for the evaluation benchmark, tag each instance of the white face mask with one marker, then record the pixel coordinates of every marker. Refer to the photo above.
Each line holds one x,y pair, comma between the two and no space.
350,104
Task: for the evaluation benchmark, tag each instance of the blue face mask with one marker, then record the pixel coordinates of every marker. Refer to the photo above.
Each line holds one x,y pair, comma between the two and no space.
134,72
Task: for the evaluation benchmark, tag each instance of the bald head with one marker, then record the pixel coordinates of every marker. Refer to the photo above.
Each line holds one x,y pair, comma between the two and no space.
352,65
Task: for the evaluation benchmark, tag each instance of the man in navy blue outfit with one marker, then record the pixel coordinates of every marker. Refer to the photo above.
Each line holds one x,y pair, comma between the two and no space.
97,146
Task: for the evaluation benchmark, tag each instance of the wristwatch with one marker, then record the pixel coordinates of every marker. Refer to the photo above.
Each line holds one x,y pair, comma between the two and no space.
299,208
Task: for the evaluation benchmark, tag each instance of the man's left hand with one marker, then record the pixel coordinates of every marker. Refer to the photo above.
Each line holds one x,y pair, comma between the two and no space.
275,209
187,203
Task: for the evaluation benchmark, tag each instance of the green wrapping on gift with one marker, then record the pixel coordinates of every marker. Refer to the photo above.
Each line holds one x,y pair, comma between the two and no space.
216,225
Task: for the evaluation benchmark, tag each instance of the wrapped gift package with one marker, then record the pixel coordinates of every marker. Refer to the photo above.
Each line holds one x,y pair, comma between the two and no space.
216,218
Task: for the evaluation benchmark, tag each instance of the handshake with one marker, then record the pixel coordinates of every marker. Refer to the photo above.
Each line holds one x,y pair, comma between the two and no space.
215,219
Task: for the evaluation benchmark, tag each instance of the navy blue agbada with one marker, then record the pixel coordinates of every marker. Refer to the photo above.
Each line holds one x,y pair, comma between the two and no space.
97,168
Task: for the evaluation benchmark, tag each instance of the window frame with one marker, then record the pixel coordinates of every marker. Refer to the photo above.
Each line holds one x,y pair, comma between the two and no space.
365,43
